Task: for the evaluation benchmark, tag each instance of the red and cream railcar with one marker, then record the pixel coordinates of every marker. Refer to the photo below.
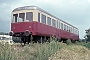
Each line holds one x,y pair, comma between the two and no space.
32,20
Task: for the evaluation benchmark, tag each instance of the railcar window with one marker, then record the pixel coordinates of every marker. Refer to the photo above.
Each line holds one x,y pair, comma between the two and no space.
53,23
43,19
49,21
70,29
74,30
67,28
59,25
38,17
62,26
21,17
29,16
15,17
78,32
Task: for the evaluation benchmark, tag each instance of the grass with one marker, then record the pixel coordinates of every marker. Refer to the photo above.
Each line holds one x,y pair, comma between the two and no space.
45,51
34,51
6,52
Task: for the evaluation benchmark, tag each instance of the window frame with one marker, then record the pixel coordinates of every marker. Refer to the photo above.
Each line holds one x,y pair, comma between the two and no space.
23,19
39,16
53,23
31,19
48,21
62,26
14,18
43,19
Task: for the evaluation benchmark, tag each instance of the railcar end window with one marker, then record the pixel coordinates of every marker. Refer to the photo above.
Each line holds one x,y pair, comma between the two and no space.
43,19
49,21
21,17
38,17
29,16
15,17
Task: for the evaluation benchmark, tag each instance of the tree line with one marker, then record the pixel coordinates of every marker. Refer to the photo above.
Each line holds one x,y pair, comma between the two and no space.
87,36
3,33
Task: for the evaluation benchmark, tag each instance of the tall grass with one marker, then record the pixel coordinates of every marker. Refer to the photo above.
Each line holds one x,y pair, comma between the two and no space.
34,51
6,52
45,50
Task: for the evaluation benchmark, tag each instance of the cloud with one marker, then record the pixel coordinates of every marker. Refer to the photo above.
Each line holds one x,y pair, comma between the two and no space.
9,2
4,26
75,12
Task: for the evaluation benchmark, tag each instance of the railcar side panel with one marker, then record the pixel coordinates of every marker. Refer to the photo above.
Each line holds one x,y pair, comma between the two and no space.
45,30
42,30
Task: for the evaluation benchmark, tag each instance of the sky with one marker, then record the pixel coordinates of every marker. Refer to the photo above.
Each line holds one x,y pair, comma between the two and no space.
75,12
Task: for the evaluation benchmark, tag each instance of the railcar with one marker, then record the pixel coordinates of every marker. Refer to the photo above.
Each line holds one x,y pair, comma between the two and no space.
32,21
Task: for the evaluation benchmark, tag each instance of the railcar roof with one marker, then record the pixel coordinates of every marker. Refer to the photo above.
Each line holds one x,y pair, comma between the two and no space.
37,8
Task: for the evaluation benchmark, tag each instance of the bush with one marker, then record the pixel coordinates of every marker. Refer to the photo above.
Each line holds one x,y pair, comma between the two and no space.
69,42
87,45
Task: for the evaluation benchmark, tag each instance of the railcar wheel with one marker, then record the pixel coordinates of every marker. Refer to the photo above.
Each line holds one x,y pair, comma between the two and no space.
59,40
23,40
73,41
64,41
